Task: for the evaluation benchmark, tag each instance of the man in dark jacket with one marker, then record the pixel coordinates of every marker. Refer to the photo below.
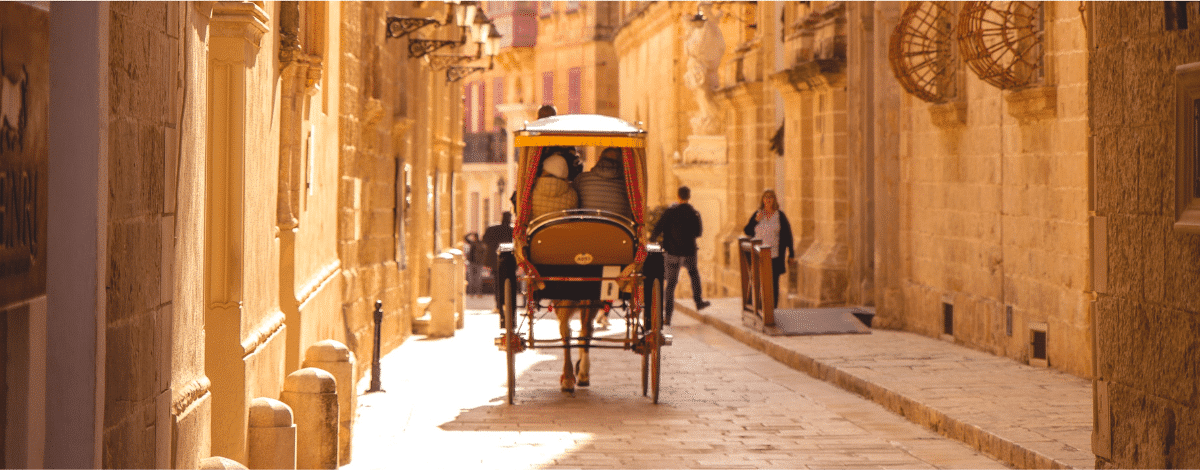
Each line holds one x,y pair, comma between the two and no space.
492,238
680,226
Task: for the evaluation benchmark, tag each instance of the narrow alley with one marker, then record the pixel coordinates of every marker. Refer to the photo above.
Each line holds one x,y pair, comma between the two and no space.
722,405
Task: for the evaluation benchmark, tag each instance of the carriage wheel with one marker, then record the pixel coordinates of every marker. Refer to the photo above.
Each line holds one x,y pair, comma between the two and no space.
510,330
656,318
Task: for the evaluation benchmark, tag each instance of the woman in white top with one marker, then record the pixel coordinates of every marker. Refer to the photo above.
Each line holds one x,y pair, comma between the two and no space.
771,226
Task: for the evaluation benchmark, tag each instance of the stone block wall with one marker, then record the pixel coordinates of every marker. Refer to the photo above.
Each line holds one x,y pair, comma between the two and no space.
1146,272
994,210
143,124
368,169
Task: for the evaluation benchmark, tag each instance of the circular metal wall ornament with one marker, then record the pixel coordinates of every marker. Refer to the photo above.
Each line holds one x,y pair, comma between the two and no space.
1002,41
920,51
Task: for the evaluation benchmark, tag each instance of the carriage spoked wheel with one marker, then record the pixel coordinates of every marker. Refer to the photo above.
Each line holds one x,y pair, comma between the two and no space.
655,353
510,331
652,359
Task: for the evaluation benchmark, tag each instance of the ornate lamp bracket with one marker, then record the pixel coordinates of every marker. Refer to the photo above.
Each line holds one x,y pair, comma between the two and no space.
455,73
441,61
417,48
400,26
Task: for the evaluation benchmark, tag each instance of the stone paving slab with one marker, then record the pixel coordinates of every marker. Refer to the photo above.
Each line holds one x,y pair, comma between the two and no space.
1028,417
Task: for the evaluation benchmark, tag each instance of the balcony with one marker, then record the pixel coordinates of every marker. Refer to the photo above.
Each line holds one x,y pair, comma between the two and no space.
484,147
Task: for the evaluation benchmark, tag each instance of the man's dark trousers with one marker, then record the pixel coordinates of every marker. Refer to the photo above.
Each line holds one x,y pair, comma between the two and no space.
672,263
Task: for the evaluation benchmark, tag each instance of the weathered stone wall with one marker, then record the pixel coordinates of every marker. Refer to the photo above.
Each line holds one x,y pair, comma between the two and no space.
143,334
994,209
1146,273
368,168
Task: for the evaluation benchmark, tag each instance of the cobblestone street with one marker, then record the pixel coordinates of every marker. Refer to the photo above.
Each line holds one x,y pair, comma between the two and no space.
723,405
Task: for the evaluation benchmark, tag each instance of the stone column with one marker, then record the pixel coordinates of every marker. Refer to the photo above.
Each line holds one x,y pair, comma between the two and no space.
236,31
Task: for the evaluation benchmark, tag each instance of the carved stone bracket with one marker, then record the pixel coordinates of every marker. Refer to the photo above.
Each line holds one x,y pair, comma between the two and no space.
813,75
1033,104
239,19
948,115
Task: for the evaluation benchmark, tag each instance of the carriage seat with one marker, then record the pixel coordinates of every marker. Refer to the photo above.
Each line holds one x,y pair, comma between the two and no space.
582,237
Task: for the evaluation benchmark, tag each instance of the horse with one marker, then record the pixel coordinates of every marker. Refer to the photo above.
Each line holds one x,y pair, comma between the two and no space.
579,373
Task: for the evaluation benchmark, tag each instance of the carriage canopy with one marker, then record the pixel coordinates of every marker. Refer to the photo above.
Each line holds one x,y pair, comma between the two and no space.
579,130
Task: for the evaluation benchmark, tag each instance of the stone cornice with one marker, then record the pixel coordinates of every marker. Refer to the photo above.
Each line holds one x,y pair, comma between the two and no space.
239,20
746,94
814,75
264,332
187,395
635,32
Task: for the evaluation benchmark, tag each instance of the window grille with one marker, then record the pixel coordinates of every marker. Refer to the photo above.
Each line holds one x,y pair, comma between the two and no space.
921,51
1002,42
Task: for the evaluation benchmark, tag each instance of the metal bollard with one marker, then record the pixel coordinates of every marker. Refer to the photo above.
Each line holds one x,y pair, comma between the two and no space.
375,369
272,435
335,358
220,463
441,304
312,394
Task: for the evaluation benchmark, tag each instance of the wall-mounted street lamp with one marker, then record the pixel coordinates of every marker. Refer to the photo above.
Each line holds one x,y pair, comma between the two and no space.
487,43
460,13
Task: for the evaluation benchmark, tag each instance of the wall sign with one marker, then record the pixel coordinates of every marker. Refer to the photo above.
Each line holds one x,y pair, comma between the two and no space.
24,104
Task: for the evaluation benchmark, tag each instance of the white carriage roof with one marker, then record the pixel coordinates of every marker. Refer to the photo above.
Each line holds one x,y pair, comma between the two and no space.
580,124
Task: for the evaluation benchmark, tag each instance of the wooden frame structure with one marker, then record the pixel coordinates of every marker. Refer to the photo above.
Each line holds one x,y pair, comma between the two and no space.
758,296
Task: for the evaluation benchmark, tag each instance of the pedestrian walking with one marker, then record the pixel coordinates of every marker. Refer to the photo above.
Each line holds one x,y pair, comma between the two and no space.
475,262
492,238
680,225
771,226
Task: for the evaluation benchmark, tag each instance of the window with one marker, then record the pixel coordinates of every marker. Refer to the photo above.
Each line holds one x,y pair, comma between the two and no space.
468,102
1175,15
497,100
1187,152
574,89
480,106
548,88
573,6
545,8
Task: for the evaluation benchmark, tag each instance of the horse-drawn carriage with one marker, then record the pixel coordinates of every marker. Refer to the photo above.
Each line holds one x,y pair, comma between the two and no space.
587,259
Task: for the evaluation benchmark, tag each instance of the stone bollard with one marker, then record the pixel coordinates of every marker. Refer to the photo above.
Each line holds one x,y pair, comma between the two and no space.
460,287
272,435
441,292
312,394
335,358
220,463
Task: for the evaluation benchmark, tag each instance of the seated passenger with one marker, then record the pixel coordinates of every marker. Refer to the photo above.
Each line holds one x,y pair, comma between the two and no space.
603,187
551,191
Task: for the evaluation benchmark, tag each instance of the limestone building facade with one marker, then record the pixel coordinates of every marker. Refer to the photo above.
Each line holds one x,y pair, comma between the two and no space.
232,183
964,217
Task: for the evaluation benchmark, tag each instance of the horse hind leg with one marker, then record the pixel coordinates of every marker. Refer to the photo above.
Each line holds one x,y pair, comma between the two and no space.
585,367
567,380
